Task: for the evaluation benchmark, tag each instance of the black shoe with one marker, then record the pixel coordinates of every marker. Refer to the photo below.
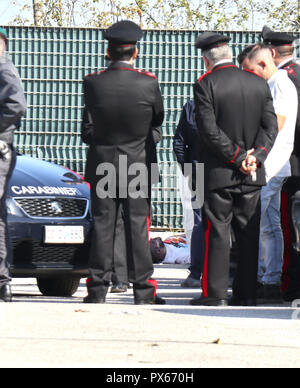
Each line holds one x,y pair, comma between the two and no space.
260,291
5,293
273,293
208,302
155,300
190,282
92,299
235,301
291,296
119,287
159,300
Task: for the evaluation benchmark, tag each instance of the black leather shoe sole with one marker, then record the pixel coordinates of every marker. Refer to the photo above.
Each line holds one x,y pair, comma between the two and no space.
290,297
89,299
242,302
156,300
209,302
269,301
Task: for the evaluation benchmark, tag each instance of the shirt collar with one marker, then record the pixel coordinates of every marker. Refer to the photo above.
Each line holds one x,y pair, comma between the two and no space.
120,64
284,62
222,61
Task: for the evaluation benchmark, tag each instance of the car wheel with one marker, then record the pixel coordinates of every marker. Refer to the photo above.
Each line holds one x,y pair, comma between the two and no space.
63,286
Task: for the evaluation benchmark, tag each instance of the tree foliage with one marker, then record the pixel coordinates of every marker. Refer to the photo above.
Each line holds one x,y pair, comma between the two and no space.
164,14
284,16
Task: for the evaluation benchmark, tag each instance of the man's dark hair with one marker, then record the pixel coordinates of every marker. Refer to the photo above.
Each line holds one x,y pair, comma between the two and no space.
158,250
118,53
4,39
257,48
249,51
244,54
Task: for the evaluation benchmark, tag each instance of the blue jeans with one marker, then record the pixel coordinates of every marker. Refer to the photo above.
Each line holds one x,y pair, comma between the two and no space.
271,243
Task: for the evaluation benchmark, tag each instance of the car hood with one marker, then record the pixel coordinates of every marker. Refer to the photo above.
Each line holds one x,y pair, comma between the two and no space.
34,177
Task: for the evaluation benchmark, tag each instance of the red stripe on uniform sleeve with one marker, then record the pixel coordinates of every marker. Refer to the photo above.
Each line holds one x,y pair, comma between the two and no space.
236,154
263,148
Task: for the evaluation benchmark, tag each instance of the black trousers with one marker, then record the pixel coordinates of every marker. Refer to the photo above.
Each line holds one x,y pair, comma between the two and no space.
139,261
291,267
120,260
120,273
6,169
235,207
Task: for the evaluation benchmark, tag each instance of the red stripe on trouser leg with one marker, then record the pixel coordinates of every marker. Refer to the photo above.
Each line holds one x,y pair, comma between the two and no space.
149,225
287,240
205,267
153,282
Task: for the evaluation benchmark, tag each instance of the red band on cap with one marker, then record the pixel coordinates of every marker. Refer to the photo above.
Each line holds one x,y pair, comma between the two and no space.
221,44
122,45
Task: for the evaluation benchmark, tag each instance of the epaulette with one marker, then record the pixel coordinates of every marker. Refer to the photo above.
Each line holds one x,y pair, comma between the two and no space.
289,66
203,76
147,73
290,69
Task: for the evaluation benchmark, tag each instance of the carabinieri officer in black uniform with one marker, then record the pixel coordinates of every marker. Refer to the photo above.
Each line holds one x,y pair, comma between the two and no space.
282,47
237,123
122,105
281,44
12,108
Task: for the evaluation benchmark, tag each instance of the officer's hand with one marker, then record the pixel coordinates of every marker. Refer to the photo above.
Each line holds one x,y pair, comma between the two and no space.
249,165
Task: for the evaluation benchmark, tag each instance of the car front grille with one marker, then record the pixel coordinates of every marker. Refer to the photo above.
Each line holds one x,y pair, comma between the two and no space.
30,252
52,254
53,207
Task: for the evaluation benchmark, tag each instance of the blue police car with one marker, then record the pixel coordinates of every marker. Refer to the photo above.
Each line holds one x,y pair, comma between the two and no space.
49,222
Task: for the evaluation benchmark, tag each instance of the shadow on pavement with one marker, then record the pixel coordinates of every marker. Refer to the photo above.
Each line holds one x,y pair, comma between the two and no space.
262,312
177,301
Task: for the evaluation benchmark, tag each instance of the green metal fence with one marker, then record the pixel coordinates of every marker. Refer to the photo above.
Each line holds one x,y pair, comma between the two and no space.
52,63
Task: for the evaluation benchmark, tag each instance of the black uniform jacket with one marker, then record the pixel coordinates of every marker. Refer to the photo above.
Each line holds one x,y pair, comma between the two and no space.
122,116
294,74
186,144
234,113
12,99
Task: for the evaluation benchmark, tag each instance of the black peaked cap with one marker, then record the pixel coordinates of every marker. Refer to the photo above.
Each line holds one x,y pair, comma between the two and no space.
276,38
124,32
209,40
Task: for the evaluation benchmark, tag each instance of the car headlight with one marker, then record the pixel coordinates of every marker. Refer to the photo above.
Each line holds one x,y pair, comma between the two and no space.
12,208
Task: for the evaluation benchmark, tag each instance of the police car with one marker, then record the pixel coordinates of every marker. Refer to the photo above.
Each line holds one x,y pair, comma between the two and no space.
49,222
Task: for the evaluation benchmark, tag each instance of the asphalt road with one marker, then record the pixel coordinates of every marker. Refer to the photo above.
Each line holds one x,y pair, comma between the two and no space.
39,331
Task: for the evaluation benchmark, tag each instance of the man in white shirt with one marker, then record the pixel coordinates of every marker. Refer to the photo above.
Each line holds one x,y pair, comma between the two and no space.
173,250
277,166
